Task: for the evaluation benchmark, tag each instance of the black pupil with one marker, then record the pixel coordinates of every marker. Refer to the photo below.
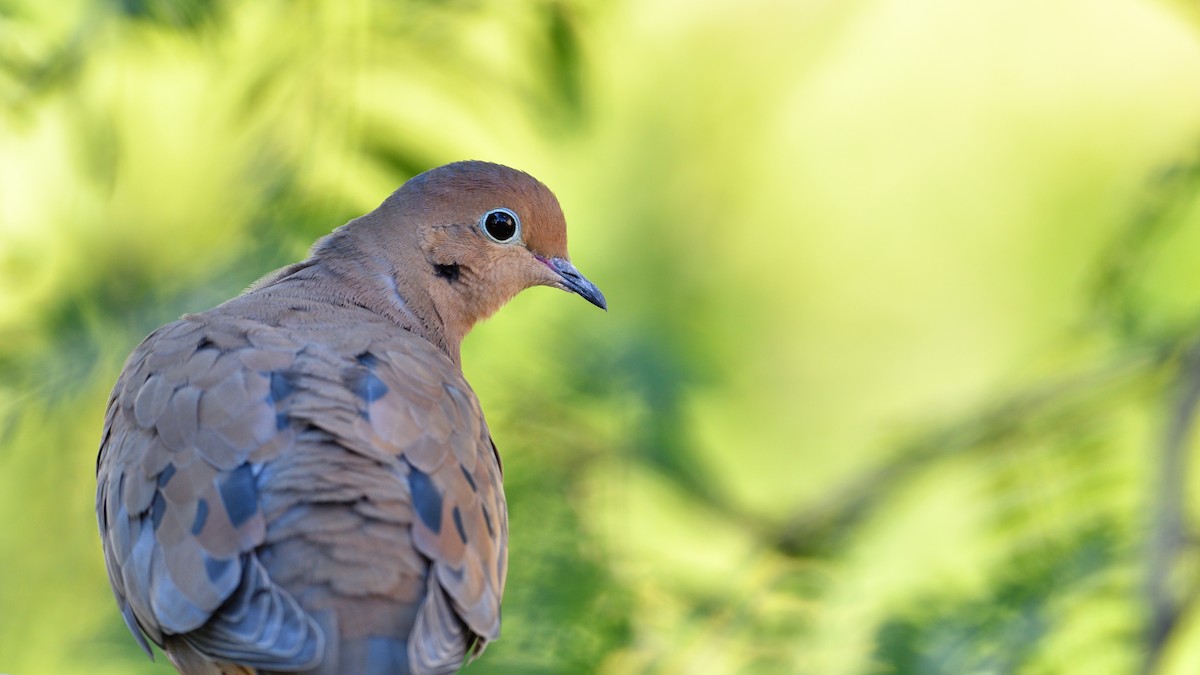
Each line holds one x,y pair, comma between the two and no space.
500,225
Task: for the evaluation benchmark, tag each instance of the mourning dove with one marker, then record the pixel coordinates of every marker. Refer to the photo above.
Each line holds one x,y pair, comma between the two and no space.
300,479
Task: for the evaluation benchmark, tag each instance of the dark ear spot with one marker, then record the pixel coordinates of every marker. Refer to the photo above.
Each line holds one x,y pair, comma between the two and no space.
447,272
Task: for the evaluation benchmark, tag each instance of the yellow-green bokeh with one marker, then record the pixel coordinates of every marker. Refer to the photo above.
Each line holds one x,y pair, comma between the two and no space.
931,256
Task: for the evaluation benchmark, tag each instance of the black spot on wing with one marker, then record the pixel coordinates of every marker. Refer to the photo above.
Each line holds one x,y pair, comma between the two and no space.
240,495
165,477
201,516
487,519
214,567
282,385
365,384
470,481
204,343
157,507
458,524
426,499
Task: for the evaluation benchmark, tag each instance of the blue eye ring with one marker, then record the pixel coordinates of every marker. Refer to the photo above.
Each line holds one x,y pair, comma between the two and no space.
501,225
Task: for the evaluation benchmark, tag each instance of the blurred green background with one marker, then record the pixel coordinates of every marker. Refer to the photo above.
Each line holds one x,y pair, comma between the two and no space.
901,362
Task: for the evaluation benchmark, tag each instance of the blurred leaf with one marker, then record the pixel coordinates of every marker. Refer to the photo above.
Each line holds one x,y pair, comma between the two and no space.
187,14
1000,632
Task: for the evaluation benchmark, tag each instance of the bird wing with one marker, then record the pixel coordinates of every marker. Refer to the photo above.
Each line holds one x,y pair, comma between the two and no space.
218,448
189,424
400,403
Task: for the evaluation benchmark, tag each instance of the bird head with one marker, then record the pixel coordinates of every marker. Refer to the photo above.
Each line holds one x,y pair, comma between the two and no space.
488,232
461,240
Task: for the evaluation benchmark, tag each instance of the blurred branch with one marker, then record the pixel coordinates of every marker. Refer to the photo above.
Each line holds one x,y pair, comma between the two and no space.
1057,404
1169,198
56,66
1168,537
1054,404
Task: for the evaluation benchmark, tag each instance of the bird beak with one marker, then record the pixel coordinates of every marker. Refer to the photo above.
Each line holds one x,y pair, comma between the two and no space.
575,282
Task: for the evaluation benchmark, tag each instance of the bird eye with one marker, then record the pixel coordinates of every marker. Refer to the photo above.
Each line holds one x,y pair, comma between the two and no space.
501,225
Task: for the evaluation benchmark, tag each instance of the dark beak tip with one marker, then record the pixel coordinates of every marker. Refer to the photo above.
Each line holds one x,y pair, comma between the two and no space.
575,282
589,292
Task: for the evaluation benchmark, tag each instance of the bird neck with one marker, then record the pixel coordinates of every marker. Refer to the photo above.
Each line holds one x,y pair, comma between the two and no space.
365,266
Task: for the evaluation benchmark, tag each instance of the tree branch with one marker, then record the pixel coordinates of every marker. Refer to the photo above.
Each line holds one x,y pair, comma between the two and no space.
1167,533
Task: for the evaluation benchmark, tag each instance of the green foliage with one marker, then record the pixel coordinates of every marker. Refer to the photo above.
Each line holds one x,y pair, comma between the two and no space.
1001,631
899,370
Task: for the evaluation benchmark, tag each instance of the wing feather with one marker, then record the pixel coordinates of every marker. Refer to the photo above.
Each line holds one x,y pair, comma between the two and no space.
261,486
